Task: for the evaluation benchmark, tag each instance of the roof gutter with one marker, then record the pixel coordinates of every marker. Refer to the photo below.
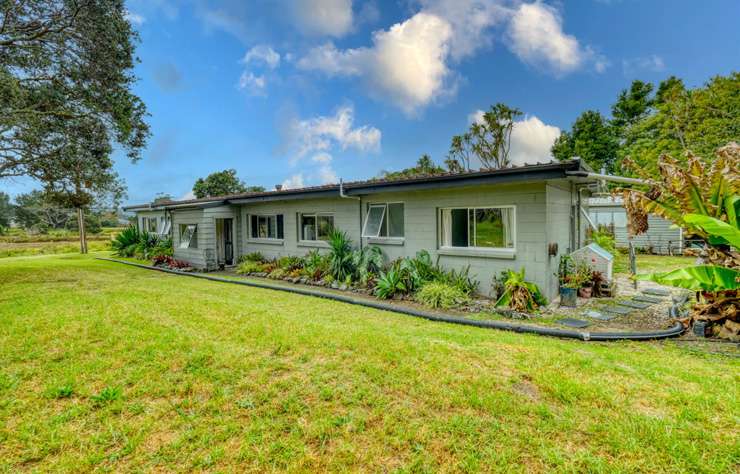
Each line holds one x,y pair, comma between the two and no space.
606,177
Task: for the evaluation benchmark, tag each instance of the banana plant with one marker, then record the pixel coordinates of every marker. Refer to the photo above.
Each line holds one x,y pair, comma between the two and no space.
704,278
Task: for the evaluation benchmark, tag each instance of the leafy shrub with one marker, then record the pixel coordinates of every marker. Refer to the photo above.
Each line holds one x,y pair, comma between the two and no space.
290,263
340,255
252,257
315,265
390,284
167,260
520,295
162,248
367,262
604,239
125,243
245,268
277,274
441,295
461,280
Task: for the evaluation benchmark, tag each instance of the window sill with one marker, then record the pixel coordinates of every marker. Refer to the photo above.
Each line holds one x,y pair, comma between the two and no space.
509,254
385,240
266,241
313,243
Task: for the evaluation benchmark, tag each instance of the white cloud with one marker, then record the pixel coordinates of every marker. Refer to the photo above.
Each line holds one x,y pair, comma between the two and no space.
531,139
293,182
406,64
323,158
471,22
262,54
323,132
255,85
134,18
187,196
537,38
651,63
323,17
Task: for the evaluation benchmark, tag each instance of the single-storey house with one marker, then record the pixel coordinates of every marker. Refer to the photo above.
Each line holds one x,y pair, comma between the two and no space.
492,220
152,218
662,236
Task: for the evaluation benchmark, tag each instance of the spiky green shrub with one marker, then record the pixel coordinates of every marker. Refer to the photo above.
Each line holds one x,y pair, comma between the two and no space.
125,243
252,257
367,262
441,295
245,268
519,294
390,284
340,255
290,263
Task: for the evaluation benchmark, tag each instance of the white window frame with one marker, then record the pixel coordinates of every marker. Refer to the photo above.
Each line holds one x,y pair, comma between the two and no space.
473,248
385,216
186,244
316,216
265,239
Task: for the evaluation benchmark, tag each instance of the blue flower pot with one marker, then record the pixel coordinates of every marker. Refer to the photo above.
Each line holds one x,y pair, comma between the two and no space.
568,297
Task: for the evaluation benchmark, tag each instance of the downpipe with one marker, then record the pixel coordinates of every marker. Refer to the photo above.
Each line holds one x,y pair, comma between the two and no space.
674,331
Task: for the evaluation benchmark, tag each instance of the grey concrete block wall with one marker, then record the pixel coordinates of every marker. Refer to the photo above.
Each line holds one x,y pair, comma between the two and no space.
542,216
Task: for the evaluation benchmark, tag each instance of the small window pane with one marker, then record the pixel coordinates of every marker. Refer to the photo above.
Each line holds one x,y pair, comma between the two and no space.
459,227
374,220
152,224
308,227
188,236
254,226
395,220
325,225
280,226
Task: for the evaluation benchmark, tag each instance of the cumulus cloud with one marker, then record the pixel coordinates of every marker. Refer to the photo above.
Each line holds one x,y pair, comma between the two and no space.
531,139
263,54
322,133
406,64
252,84
323,17
537,38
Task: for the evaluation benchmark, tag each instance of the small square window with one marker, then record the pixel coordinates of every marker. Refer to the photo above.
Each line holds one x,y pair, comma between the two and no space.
188,236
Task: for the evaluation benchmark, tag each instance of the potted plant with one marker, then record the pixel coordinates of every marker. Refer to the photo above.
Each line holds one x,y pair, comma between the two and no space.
568,282
583,276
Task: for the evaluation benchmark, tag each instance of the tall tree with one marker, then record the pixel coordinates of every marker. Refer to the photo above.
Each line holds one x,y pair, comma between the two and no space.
6,211
699,120
425,166
488,140
591,138
222,183
65,66
33,211
632,105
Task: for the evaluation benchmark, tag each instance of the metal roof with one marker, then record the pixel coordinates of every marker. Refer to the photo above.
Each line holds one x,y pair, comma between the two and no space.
536,172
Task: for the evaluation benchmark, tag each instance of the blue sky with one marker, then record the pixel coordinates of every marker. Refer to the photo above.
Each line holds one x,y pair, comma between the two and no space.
304,92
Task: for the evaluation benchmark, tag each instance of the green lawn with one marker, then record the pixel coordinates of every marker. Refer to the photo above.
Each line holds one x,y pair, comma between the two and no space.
651,263
109,367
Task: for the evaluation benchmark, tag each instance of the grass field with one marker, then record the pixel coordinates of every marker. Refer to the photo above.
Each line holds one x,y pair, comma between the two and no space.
108,367
651,263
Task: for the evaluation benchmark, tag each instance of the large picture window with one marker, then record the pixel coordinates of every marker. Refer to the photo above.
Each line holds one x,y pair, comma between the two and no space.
316,226
188,236
384,220
266,227
478,227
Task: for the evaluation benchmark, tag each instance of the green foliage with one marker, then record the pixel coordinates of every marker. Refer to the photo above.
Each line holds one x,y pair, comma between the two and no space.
389,284
6,211
252,257
710,278
222,183
340,255
460,280
290,263
125,243
632,105
604,239
424,167
592,139
367,262
60,391
277,274
441,295
519,294
66,75
130,242
718,232
107,396
488,140
247,267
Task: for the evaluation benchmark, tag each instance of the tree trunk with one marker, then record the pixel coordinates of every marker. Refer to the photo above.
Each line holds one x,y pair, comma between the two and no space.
81,226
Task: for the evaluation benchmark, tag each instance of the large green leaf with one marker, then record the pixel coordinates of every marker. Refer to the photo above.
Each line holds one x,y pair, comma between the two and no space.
710,278
718,231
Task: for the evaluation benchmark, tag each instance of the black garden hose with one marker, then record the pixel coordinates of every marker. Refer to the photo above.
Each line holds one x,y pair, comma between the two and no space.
673,331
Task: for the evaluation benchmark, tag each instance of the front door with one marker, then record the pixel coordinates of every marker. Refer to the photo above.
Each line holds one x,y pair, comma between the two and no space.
228,234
